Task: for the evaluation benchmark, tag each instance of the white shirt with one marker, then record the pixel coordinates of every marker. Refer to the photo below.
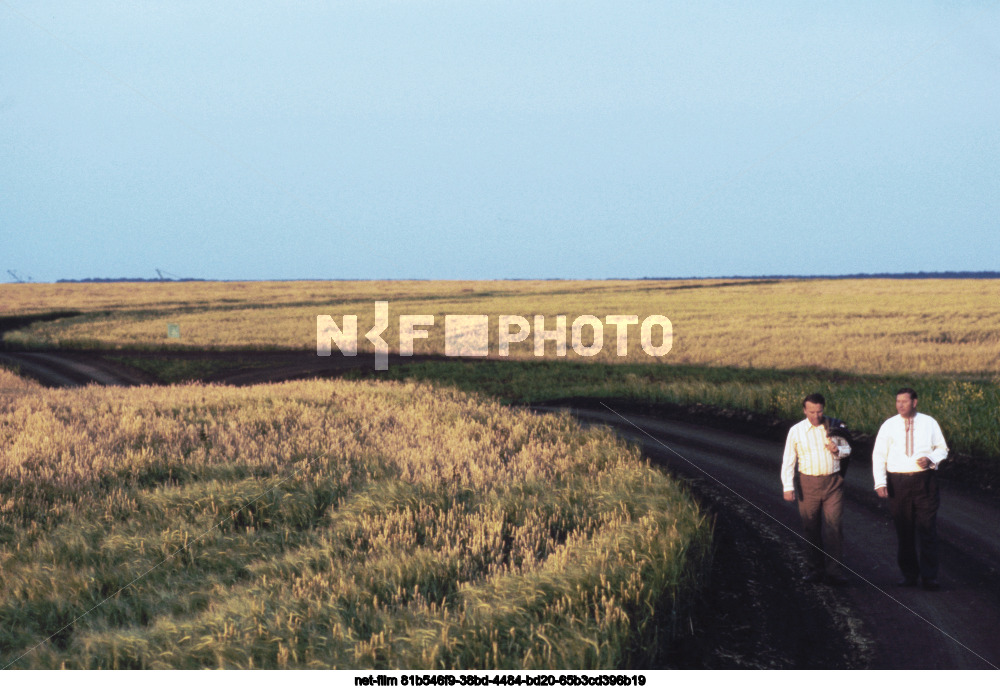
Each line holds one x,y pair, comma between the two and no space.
806,446
898,448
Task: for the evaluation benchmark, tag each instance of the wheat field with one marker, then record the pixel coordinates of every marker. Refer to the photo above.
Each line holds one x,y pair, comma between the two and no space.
329,525
406,524
874,326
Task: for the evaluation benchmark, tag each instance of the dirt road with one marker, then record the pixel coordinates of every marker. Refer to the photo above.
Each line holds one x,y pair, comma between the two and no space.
955,628
70,370
757,611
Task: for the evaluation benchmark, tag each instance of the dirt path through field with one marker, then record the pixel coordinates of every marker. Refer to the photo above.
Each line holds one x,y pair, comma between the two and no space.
955,628
68,371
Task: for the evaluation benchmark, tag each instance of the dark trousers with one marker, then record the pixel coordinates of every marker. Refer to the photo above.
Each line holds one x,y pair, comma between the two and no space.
913,502
821,504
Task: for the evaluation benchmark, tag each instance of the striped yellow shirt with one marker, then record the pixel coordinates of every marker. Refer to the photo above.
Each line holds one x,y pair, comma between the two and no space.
806,447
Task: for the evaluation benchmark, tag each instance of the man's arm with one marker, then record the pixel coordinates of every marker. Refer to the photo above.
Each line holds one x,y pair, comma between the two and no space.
788,461
939,449
880,458
838,428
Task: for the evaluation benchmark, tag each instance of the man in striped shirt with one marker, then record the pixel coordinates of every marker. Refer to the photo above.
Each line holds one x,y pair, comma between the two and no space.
811,473
907,451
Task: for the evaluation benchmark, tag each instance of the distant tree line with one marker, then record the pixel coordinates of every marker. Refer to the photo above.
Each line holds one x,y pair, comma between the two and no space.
128,280
913,275
917,275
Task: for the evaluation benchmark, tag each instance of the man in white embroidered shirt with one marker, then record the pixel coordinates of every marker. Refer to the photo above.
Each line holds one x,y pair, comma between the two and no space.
908,449
811,471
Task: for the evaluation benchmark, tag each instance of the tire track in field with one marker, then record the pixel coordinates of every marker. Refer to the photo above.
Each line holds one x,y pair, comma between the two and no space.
63,371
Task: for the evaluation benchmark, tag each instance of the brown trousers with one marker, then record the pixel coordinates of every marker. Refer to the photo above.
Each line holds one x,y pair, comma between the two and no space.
821,504
913,502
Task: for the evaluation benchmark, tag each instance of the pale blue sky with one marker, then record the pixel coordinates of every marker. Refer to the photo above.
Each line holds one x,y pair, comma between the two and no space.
508,139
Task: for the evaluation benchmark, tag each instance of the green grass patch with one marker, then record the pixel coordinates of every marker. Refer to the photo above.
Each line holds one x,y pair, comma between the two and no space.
965,407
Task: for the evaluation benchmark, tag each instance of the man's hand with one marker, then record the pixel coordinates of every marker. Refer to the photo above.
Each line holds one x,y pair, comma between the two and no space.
789,495
882,492
924,463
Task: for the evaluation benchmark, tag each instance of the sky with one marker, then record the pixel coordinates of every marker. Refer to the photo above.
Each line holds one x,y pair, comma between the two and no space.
497,139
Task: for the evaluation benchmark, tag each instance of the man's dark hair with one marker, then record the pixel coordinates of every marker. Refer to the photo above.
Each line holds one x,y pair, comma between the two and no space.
815,399
909,391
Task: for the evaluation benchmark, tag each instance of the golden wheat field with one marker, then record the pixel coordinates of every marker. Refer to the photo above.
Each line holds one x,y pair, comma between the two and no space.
329,525
362,524
871,326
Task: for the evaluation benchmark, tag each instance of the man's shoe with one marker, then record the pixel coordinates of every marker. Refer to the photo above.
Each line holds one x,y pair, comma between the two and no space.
836,580
931,585
907,582
813,577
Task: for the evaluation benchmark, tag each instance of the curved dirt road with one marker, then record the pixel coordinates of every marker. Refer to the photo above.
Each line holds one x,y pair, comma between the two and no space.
69,371
758,613
955,628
